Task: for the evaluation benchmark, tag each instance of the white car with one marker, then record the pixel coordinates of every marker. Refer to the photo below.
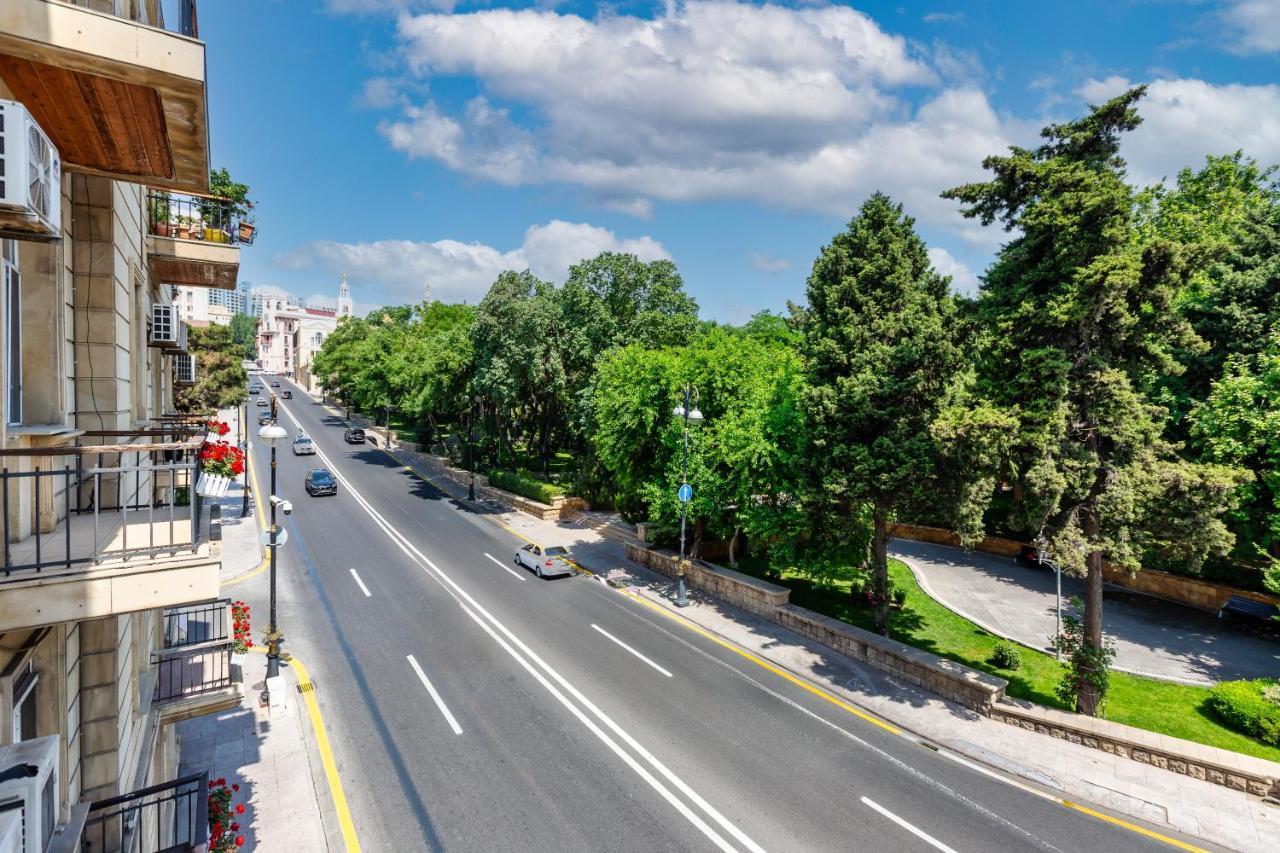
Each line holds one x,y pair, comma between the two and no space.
550,562
302,446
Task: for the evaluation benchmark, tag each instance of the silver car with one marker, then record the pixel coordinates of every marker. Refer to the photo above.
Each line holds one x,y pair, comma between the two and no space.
302,446
550,562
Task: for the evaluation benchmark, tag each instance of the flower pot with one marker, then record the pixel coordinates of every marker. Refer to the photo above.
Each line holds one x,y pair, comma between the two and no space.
184,232
213,485
238,658
213,438
163,229
246,232
214,235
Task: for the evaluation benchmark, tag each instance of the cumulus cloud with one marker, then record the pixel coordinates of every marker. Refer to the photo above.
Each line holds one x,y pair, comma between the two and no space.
1253,26
459,271
767,263
1184,120
808,108
962,278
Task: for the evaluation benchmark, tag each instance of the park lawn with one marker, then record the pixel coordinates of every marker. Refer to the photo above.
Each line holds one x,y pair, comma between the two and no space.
1177,710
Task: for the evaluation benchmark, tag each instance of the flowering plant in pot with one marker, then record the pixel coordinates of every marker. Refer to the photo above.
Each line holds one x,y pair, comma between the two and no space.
217,429
241,639
224,824
219,462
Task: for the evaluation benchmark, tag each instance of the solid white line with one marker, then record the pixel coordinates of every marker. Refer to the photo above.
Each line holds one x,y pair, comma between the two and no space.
422,676
464,599
510,570
633,651
363,588
918,833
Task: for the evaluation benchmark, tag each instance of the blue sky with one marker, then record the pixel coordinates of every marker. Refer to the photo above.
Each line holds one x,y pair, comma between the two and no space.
406,142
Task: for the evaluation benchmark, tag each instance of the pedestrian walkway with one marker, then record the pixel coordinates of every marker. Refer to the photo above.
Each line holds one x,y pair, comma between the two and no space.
1153,637
270,757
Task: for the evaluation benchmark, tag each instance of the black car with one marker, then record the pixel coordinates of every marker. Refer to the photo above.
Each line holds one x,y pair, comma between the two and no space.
321,482
353,435
275,384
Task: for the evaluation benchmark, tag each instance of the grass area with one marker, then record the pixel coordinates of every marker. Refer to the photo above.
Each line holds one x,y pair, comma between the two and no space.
1178,710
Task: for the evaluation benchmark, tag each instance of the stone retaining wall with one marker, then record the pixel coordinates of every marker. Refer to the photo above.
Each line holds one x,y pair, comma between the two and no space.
1193,592
751,594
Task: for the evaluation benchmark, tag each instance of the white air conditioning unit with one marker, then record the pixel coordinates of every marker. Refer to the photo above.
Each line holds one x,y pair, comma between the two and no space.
184,369
30,177
34,797
166,326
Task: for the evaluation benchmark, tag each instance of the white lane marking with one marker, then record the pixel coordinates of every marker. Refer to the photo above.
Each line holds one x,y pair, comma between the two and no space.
363,588
917,832
463,599
510,570
422,676
633,651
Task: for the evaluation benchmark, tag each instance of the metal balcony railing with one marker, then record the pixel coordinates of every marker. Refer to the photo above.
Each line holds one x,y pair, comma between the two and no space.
193,624
68,507
141,13
193,217
188,671
171,817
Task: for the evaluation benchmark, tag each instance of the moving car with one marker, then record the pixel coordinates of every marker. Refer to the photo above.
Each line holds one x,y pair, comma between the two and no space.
255,389
321,482
275,384
353,435
264,418
550,562
302,445
262,401
288,395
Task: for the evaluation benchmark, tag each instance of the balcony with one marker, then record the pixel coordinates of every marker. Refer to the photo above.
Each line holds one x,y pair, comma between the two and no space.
196,673
75,63
171,817
195,240
104,528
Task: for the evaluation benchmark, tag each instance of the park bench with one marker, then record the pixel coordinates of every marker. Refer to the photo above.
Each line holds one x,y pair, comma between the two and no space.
1249,614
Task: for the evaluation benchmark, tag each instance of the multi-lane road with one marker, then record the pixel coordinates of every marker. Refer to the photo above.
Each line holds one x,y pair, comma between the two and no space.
473,706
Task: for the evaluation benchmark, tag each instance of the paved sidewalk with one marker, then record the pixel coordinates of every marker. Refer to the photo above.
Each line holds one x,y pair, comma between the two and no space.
1152,637
270,757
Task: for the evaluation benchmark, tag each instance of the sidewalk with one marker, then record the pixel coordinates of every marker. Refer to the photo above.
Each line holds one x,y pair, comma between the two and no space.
269,757
1201,809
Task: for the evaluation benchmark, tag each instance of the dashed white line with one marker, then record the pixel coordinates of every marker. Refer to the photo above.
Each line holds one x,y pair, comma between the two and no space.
918,833
422,676
359,582
633,651
508,569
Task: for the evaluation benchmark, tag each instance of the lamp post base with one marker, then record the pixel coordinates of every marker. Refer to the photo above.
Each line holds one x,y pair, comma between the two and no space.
682,597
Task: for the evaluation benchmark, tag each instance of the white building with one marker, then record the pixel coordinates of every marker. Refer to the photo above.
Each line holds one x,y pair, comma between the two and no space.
206,305
289,334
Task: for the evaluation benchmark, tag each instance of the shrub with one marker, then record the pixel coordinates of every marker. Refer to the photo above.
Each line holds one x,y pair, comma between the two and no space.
524,485
1006,655
1244,706
900,596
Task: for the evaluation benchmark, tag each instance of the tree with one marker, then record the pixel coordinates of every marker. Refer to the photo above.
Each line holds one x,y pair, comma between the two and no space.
220,376
244,331
879,353
1078,315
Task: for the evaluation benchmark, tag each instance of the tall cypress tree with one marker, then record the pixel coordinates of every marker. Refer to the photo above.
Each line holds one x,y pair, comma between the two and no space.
879,351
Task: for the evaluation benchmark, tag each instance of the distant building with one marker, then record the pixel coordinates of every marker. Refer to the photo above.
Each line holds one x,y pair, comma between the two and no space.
290,334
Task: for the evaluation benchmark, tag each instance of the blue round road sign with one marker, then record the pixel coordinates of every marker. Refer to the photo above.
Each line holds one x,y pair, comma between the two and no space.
685,494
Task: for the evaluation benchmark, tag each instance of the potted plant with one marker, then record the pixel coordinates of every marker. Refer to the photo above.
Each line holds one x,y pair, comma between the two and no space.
241,639
184,226
224,817
217,429
221,462
227,203
161,215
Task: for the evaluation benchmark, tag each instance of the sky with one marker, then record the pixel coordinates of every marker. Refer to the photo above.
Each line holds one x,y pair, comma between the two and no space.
416,143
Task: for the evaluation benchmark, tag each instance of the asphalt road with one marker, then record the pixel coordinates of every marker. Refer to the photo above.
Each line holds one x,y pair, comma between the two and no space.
472,706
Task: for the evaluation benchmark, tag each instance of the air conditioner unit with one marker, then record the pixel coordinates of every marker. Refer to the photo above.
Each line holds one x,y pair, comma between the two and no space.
166,326
30,177
181,345
184,369
35,797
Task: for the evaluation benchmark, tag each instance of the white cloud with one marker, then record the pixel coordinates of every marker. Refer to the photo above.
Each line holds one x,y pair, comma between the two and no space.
767,263
462,271
1254,26
962,278
640,208
944,17
1185,120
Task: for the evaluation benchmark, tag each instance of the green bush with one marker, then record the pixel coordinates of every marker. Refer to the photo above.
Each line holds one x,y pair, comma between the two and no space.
1006,655
524,485
899,595
1244,706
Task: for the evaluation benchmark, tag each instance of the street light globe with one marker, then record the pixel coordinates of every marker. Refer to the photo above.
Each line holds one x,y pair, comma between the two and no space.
695,415
272,434
678,411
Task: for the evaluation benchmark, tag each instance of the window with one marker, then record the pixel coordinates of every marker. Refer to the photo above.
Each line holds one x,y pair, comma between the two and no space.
11,282
24,704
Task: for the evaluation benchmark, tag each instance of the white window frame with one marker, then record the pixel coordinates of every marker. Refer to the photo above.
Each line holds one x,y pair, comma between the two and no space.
11,282
28,670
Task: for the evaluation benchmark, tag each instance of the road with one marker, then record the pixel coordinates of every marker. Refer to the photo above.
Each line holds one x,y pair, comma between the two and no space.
472,706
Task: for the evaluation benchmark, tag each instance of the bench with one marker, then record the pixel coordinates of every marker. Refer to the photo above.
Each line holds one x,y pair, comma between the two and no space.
1247,613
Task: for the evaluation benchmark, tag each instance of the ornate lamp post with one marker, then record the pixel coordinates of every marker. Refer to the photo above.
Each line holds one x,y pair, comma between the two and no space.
271,435
691,414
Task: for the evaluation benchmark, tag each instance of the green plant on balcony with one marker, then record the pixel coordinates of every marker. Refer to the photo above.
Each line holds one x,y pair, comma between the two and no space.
160,214
230,204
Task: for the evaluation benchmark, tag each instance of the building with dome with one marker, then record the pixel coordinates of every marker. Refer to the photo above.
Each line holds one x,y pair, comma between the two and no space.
291,333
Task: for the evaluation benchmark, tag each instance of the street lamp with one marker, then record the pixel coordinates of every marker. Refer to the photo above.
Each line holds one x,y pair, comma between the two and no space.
690,413
271,435
1042,545
242,430
471,446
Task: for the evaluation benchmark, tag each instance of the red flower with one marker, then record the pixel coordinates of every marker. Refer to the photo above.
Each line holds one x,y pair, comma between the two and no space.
217,829
235,786
239,808
239,840
235,827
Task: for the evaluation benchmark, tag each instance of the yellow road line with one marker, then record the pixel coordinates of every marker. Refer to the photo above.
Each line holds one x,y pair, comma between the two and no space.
262,525
1132,827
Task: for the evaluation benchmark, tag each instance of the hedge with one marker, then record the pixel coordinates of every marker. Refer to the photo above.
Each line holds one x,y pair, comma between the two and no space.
526,486
1243,707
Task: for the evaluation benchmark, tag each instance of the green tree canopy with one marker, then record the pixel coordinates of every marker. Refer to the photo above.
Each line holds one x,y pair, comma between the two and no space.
220,376
244,331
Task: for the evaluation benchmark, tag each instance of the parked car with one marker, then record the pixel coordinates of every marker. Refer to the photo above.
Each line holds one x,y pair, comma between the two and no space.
1029,556
288,395
353,435
302,446
550,562
321,482
264,418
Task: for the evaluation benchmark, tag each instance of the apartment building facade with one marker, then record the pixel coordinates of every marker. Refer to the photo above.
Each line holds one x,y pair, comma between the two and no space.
111,627
290,335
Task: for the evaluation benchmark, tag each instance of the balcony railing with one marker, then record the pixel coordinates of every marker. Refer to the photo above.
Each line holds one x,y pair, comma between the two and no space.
168,818
140,13
193,624
66,507
189,671
192,217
